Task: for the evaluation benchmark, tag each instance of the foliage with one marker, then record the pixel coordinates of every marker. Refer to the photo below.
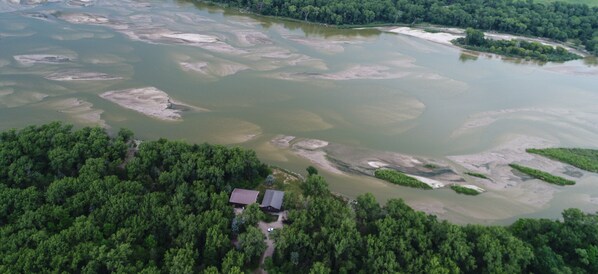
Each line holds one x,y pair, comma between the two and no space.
568,246
311,170
475,174
464,190
474,40
559,21
399,178
70,202
544,176
315,185
107,216
251,244
586,159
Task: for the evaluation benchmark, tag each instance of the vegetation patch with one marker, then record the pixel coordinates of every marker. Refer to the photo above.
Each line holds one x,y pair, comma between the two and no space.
586,159
400,178
464,190
475,174
474,40
544,176
430,166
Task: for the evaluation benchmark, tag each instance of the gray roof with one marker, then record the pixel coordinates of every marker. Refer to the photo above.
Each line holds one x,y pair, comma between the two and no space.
243,196
273,198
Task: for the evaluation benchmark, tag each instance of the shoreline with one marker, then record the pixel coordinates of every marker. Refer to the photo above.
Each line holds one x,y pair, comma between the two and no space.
444,35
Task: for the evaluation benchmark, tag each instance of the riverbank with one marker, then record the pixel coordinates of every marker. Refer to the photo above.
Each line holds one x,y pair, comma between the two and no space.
444,36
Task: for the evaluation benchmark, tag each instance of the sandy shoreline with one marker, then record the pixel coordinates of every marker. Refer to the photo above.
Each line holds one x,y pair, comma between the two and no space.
444,36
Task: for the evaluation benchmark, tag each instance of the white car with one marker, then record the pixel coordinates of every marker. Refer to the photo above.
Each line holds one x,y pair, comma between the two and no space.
270,229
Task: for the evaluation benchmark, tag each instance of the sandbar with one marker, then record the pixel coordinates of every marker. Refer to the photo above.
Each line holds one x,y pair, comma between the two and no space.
31,59
76,75
149,101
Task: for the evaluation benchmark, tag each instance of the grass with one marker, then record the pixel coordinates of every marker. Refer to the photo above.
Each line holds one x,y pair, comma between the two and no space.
475,174
464,190
400,178
586,159
544,176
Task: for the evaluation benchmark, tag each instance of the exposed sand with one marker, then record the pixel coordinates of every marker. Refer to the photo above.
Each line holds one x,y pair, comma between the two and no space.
432,183
191,37
76,75
310,144
282,141
377,164
476,188
84,18
31,59
149,101
522,189
437,37
446,35
81,3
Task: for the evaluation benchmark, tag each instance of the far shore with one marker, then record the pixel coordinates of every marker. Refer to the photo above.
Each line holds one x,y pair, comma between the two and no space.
444,35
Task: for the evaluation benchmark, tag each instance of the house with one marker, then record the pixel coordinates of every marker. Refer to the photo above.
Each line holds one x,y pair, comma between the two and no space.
243,197
272,201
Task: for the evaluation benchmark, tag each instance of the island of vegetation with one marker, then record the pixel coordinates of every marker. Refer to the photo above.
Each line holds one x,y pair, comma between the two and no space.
82,201
464,190
555,20
400,178
586,159
475,40
544,176
475,174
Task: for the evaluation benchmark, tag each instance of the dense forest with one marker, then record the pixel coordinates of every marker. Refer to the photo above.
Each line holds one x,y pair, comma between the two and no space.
475,40
558,20
82,201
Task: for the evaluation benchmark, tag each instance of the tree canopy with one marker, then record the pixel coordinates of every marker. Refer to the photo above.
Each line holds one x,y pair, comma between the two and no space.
162,207
555,20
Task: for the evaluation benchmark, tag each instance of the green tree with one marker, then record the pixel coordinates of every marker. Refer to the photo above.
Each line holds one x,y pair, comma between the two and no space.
315,185
251,244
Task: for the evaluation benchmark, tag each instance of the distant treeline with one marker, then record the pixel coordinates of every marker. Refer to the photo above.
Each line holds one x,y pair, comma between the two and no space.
560,21
81,201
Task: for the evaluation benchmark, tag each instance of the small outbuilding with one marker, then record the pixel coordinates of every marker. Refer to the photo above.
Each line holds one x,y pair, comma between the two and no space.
243,197
272,200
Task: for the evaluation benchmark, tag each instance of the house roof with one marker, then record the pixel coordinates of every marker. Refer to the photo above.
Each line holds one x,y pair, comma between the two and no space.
273,198
243,196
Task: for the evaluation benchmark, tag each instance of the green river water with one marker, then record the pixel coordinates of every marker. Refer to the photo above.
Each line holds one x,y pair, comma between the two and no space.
364,89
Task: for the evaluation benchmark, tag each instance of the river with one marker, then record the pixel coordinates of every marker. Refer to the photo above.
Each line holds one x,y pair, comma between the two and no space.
369,94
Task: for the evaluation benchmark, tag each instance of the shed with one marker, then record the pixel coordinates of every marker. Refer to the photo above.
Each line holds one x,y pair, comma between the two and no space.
272,200
243,197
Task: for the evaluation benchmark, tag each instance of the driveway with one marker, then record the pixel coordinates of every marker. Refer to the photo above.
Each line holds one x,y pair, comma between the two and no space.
269,242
